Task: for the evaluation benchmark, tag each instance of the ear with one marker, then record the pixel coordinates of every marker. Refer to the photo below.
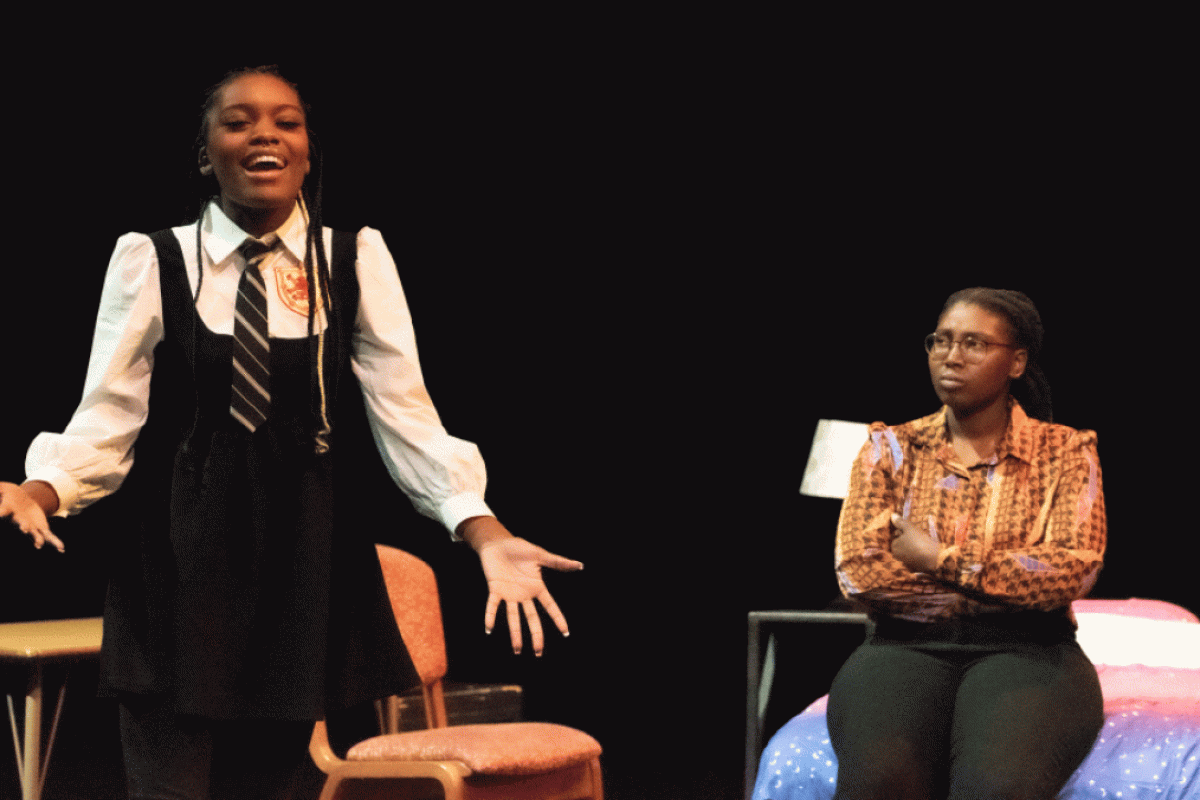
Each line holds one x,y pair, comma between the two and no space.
206,167
1020,359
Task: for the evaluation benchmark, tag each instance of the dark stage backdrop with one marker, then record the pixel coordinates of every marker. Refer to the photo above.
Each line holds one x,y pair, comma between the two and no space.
639,276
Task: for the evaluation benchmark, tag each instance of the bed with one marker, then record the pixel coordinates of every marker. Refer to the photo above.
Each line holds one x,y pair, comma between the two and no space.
1147,653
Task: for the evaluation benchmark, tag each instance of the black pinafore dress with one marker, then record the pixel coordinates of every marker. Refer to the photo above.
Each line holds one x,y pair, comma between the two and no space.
233,591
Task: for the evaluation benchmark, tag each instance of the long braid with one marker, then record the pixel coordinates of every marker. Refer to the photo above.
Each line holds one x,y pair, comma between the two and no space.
318,290
195,313
1032,390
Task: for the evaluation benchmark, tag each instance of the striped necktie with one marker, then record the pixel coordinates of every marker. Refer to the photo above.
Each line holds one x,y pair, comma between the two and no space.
250,397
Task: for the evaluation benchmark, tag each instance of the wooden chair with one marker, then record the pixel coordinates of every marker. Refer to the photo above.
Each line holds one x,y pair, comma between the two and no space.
504,761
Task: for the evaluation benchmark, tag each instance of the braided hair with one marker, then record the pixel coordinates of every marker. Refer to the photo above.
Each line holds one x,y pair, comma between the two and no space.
316,265
1031,390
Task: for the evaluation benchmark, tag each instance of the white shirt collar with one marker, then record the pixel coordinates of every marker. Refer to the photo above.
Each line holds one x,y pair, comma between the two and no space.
223,236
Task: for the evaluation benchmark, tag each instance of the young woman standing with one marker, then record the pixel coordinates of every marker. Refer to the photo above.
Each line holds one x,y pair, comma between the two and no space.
234,360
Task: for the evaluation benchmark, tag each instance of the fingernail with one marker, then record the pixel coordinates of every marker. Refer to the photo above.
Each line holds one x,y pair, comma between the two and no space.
537,653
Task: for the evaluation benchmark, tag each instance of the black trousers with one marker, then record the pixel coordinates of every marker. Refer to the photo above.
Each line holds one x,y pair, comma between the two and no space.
968,719
170,756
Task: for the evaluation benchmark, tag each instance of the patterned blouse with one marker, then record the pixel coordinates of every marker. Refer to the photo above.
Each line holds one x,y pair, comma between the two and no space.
1024,529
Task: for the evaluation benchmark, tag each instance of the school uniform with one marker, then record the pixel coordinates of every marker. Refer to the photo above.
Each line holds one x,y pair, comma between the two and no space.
235,594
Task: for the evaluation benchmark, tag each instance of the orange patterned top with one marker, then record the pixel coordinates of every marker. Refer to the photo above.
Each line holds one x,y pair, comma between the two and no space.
1023,530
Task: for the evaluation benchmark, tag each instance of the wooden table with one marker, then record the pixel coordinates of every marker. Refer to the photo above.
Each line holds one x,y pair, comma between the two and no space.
36,645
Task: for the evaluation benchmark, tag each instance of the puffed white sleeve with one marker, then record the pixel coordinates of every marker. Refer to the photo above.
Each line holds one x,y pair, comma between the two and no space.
443,476
92,456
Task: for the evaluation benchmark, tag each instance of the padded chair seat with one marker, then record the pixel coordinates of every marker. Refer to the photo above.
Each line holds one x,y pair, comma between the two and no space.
512,748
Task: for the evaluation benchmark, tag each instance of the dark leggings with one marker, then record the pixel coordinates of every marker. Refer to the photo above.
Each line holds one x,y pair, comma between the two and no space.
171,756
963,722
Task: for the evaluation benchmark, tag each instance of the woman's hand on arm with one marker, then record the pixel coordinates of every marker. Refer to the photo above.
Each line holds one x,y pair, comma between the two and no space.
513,568
913,546
28,507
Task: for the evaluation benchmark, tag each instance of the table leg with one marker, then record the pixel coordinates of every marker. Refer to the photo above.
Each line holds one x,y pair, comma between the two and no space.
12,718
28,756
31,768
58,707
753,719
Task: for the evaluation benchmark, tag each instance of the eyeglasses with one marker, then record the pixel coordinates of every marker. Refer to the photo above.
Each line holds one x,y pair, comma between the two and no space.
973,349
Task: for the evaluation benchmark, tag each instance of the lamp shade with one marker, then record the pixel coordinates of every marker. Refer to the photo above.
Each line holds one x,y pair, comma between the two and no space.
834,447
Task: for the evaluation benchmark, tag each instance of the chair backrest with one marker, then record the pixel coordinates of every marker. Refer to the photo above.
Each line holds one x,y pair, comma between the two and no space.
412,588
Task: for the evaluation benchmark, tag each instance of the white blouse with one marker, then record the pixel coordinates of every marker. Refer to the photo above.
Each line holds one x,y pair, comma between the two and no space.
443,476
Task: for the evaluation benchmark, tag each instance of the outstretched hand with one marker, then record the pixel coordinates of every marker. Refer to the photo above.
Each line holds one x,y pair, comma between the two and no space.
513,568
17,505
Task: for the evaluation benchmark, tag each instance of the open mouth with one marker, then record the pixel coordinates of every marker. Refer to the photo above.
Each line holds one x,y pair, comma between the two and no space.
264,163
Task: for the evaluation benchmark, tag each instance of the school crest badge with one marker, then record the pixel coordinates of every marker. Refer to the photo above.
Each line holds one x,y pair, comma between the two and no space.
292,285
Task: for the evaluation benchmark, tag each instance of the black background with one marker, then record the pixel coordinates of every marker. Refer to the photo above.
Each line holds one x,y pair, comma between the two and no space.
643,260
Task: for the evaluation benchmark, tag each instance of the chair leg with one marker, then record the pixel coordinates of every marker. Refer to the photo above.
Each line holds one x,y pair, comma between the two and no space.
597,780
